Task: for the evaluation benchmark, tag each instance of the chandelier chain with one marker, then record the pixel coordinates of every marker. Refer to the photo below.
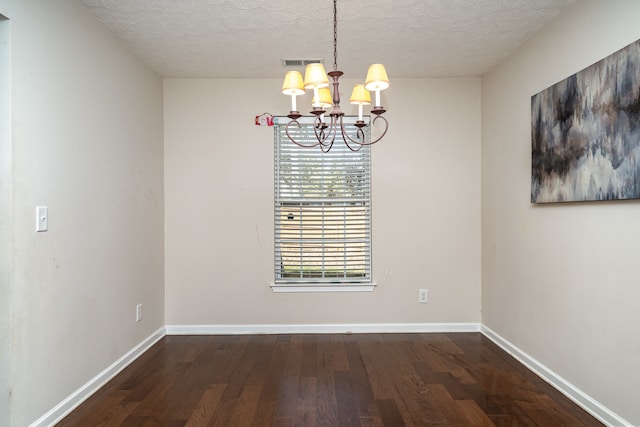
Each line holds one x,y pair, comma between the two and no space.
335,35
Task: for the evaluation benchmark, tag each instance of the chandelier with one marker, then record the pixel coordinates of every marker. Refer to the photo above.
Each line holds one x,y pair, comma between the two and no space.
317,79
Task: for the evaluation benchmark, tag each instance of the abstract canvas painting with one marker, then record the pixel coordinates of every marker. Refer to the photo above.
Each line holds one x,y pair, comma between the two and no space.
585,133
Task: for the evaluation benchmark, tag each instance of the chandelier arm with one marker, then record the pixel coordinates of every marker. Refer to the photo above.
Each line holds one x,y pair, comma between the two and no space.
355,150
386,128
330,136
359,134
373,122
326,148
286,130
346,138
319,129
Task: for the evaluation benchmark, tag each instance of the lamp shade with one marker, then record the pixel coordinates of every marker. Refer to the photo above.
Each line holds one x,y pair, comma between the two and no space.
293,83
315,76
376,78
360,95
326,100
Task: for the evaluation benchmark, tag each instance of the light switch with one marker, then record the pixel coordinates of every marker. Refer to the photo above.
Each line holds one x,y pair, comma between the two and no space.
42,218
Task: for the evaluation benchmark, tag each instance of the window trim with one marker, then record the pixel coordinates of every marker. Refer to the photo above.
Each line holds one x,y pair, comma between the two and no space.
310,286
322,287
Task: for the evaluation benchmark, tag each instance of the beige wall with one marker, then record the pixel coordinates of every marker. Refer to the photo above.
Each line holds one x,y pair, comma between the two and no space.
5,232
560,281
219,208
86,142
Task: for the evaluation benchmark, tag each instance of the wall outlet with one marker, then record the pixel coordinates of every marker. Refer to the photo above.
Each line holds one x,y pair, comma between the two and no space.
138,312
423,296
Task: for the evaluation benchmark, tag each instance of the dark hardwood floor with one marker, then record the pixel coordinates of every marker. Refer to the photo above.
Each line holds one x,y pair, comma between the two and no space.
460,379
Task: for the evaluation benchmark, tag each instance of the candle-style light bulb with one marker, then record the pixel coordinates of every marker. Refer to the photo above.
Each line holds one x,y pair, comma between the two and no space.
293,86
360,96
316,97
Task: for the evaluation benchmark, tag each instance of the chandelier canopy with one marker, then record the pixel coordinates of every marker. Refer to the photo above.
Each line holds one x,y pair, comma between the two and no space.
317,79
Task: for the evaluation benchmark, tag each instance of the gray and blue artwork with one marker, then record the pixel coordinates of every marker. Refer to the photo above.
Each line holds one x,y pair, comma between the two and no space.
585,133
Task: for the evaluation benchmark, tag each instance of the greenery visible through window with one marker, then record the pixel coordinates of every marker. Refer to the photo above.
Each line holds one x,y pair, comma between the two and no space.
322,211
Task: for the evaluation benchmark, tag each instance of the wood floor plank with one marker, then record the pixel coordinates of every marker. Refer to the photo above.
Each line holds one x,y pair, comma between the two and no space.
105,404
308,356
264,354
445,403
474,415
246,408
414,394
339,358
348,413
371,422
206,406
153,404
118,414
267,407
369,380
326,401
306,402
360,379
390,413
239,367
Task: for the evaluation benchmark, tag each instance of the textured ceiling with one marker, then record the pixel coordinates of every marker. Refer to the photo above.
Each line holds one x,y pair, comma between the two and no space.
249,38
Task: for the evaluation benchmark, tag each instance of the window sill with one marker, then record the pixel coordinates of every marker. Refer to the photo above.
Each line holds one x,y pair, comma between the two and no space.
323,287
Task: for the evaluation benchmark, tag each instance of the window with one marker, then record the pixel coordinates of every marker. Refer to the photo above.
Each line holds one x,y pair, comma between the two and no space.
322,211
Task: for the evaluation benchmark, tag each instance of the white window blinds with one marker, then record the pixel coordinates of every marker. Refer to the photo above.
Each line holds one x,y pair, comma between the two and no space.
322,210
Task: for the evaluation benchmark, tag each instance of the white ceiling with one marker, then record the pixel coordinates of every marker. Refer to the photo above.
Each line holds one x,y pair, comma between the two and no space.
249,38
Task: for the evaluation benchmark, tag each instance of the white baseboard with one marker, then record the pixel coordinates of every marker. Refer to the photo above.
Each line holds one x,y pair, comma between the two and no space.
321,329
582,399
83,393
